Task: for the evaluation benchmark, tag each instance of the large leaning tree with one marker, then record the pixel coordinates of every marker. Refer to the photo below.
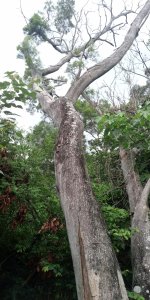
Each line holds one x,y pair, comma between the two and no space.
77,40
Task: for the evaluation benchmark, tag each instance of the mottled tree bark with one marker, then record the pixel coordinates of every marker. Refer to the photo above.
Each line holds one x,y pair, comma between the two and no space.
140,223
96,268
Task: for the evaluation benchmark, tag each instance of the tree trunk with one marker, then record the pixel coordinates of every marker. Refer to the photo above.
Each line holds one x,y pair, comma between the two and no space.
140,247
140,240
96,269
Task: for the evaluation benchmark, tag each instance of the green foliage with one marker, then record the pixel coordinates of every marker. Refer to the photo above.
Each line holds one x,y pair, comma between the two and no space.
109,192
126,129
75,67
36,26
133,295
117,220
46,266
29,49
88,112
32,223
65,11
13,93
57,18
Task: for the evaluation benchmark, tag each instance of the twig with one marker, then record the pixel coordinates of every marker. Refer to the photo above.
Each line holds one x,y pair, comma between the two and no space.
23,13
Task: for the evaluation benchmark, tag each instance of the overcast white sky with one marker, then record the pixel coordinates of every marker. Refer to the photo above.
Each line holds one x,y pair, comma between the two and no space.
11,34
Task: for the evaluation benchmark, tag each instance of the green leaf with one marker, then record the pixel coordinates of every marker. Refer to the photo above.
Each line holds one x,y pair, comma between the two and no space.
4,85
133,295
7,112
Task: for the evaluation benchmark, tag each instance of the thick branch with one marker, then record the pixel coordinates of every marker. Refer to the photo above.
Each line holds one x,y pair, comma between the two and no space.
50,106
107,64
54,68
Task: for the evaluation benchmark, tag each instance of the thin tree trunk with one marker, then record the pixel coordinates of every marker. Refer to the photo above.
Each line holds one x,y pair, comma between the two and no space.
96,269
132,179
140,240
140,247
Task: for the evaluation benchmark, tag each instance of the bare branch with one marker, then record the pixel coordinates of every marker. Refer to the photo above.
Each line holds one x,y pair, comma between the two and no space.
54,68
26,20
133,72
76,29
147,46
108,42
52,43
141,57
107,64
79,50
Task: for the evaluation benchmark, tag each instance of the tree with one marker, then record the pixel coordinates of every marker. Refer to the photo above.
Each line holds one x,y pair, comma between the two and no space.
96,269
128,128
138,191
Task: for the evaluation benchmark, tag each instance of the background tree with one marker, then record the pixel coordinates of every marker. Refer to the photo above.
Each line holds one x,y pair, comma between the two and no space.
127,127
